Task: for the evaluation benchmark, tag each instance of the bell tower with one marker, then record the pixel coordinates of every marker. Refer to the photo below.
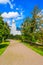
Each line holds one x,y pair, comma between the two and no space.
13,28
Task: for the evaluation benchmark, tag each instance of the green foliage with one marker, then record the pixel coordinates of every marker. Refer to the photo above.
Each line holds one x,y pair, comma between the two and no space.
3,47
27,31
39,37
16,37
29,27
4,30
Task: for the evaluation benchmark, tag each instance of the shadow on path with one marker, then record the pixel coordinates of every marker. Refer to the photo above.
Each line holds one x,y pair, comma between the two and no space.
3,45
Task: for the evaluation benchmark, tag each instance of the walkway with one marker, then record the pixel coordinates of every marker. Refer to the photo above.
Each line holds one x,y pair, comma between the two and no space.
18,54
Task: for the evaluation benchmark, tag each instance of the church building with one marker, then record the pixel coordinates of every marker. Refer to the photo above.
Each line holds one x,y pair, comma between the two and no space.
14,30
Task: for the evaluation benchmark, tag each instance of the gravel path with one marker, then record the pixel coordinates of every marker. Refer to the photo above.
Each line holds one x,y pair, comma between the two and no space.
18,54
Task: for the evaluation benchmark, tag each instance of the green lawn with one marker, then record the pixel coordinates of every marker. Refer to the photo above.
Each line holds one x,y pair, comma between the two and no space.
38,49
3,47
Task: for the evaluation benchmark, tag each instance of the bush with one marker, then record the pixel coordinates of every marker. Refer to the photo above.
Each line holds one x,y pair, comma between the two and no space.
39,37
17,37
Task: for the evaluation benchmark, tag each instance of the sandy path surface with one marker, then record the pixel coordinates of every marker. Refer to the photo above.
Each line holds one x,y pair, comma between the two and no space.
18,54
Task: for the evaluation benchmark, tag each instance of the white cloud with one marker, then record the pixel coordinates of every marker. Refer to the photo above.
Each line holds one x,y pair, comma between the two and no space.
15,15
5,2
40,14
11,6
19,18
10,15
17,8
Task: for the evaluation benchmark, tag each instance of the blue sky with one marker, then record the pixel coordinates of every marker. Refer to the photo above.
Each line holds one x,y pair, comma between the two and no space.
20,8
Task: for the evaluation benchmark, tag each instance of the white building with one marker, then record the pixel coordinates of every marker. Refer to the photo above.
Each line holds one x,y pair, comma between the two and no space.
14,31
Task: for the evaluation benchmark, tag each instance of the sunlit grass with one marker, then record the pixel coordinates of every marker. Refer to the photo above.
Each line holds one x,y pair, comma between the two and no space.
3,47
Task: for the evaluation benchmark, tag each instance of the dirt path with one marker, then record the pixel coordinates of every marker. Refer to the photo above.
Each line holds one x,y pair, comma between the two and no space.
18,54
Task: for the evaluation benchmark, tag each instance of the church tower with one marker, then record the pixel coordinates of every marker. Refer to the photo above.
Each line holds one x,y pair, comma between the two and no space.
13,28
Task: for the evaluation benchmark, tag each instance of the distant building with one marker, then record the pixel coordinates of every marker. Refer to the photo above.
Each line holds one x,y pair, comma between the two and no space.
14,30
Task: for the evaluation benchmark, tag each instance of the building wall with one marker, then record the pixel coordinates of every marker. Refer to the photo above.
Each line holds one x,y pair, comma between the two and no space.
14,31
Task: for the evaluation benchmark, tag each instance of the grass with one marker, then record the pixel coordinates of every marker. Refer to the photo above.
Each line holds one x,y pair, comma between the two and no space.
3,47
38,49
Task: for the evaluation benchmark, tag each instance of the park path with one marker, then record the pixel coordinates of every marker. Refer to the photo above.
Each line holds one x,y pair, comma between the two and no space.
18,54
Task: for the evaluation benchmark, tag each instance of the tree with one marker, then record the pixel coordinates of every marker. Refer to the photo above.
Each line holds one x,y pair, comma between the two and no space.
29,27
39,33
1,27
26,29
34,19
4,30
